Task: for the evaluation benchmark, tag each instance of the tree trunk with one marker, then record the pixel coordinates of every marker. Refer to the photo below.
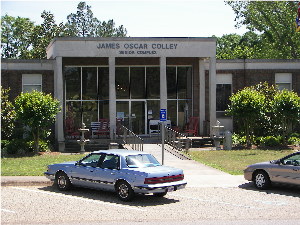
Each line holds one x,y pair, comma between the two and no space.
36,139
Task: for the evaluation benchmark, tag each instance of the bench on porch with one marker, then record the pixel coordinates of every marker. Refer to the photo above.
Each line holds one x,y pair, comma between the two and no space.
100,128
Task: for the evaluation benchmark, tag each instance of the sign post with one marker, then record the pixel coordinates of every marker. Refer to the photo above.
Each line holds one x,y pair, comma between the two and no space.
163,118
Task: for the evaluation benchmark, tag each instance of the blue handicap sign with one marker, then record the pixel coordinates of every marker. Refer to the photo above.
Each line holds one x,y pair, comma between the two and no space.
163,115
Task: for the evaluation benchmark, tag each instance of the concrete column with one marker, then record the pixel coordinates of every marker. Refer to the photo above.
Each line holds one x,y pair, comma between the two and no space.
202,95
112,97
163,83
212,92
58,94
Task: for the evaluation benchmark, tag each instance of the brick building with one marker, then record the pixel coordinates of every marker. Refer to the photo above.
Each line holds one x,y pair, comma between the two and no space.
131,79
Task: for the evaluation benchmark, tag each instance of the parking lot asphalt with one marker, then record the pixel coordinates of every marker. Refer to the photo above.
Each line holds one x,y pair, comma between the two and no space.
196,174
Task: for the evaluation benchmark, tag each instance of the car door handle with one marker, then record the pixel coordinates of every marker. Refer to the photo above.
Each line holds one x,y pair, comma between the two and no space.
112,173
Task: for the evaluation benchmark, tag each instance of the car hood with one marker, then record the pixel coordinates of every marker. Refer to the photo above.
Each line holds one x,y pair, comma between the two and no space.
260,165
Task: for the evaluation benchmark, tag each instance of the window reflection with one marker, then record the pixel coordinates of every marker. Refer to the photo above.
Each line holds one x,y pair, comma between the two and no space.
153,82
103,87
137,82
122,82
89,83
223,93
73,82
171,82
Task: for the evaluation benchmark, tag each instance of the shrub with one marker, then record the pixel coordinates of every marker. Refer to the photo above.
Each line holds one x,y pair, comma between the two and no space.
15,146
21,147
238,139
294,141
270,141
297,135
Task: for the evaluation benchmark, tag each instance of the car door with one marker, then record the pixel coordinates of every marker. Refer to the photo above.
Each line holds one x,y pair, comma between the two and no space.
82,174
288,170
108,171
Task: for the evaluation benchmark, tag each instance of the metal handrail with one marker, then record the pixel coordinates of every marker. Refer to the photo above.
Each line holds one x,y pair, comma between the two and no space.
133,140
177,140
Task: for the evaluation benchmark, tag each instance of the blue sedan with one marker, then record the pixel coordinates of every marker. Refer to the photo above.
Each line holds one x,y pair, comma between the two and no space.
123,171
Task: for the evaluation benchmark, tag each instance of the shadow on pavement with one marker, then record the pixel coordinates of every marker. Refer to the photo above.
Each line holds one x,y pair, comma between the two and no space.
280,189
111,197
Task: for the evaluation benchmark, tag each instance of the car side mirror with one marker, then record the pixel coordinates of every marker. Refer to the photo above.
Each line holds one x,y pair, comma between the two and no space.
78,163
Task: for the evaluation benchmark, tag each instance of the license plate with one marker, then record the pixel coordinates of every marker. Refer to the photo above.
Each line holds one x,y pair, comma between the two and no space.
170,189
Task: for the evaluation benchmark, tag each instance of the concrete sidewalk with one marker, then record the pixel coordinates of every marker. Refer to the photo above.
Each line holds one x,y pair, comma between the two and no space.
196,174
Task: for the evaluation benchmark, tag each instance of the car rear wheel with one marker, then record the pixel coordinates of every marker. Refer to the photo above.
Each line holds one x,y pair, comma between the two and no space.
261,180
124,191
63,182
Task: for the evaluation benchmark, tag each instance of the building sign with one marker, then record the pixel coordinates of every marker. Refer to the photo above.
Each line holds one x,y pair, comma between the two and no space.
163,115
137,48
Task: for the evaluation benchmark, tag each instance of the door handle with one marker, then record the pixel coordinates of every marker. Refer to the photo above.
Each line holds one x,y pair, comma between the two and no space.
112,173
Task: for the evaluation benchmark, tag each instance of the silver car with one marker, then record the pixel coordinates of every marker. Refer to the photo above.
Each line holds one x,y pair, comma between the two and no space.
285,170
125,172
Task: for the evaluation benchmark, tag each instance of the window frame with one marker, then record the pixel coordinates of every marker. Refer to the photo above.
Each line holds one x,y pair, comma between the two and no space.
40,83
223,79
284,78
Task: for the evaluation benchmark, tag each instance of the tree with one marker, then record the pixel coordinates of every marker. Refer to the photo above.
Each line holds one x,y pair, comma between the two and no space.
275,20
7,115
16,36
37,111
84,24
286,109
234,46
247,107
107,29
43,34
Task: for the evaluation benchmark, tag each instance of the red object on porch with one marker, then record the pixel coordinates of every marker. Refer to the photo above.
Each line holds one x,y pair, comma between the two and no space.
192,126
71,130
100,128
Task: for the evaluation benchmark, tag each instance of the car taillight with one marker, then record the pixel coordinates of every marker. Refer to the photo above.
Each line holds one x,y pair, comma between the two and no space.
166,179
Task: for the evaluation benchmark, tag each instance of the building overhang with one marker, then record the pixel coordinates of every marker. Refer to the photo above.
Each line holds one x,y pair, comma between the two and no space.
132,47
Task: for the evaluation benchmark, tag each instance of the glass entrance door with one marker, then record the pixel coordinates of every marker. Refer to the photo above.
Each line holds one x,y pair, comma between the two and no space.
137,117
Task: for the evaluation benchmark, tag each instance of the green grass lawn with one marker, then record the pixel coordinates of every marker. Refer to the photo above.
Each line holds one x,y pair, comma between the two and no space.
32,166
232,162
235,161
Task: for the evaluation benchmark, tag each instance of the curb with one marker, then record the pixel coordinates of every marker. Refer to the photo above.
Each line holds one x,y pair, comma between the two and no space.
24,181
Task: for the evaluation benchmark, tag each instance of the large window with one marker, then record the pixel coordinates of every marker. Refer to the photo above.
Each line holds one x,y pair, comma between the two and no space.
31,82
137,83
86,94
122,83
179,90
223,92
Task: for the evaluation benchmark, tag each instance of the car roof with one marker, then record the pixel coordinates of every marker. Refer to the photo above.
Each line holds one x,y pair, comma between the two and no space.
123,152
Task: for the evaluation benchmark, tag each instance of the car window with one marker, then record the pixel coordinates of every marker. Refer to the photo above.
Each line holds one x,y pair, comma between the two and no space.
293,160
110,162
142,160
91,160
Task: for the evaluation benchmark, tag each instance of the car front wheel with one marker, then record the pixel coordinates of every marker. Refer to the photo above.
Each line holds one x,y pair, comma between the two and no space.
124,191
261,180
62,182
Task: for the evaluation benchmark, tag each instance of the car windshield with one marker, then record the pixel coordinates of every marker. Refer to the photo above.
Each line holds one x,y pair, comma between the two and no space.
142,160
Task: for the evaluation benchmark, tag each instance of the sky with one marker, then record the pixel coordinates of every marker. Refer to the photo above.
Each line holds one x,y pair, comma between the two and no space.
141,18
